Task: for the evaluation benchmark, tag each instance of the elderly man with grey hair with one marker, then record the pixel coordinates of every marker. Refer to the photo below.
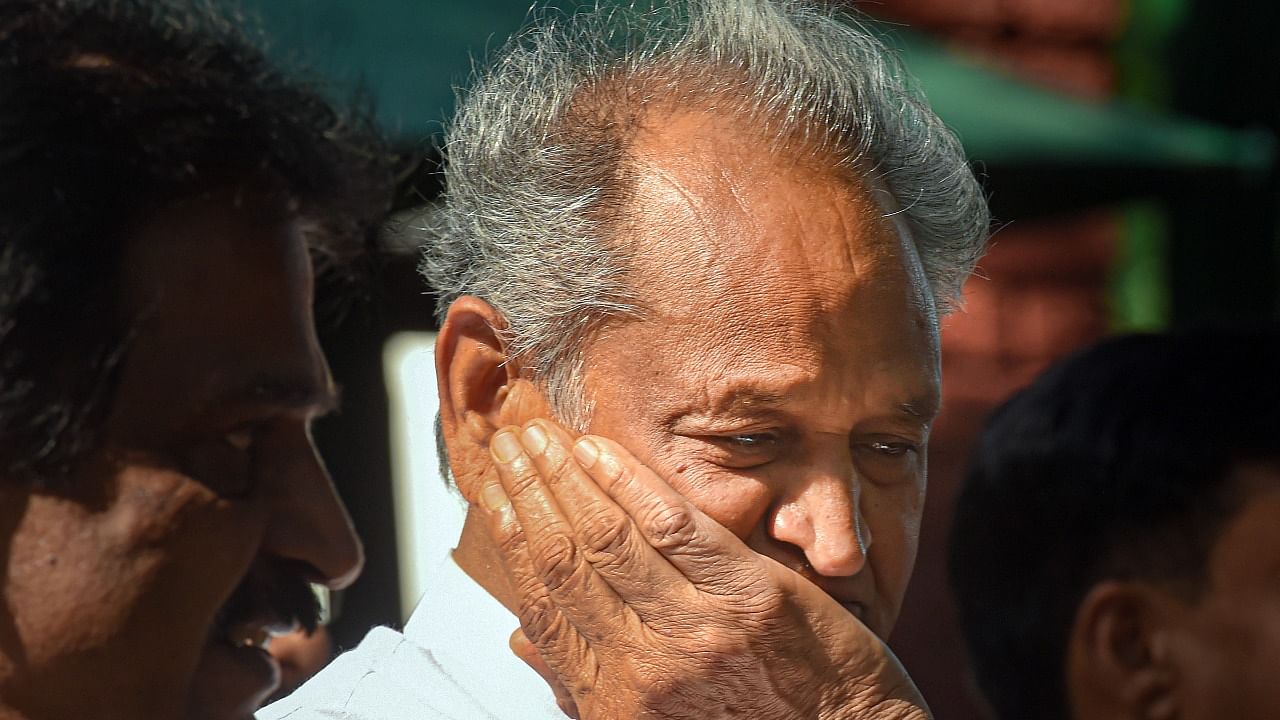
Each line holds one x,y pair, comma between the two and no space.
719,233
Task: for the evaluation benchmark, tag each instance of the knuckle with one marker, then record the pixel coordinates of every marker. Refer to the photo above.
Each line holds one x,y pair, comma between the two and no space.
555,561
656,691
619,474
605,536
531,590
511,540
561,466
766,600
669,527
524,477
539,619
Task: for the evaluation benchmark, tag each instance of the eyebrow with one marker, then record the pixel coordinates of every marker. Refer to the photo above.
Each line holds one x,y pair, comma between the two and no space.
754,398
922,410
741,399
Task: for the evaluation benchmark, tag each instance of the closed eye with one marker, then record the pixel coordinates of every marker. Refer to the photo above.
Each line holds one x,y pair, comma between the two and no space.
889,461
891,449
751,441
742,450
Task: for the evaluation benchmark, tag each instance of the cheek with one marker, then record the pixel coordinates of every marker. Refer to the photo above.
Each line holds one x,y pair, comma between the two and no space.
65,587
735,501
146,569
167,515
1234,660
893,517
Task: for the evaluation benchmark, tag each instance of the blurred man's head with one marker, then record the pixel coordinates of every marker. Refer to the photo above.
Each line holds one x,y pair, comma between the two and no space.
161,502
721,233
1116,551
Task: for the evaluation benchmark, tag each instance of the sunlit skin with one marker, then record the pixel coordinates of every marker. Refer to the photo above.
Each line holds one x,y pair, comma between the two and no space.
783,374
207,470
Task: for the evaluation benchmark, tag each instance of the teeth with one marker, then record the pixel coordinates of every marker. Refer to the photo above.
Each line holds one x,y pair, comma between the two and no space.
248,636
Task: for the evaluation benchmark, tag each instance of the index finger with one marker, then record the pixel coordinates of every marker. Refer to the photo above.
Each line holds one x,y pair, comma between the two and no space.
607,537
703,550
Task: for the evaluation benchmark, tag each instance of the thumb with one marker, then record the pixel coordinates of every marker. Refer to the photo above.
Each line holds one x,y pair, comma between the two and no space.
525,650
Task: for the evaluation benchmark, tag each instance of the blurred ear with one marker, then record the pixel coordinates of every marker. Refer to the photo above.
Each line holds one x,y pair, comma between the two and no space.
480,388
1118,659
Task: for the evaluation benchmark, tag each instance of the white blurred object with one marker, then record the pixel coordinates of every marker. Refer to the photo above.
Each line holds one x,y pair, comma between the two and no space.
429,513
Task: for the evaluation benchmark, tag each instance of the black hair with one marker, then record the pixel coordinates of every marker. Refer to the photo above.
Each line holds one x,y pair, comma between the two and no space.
110,109
1114,464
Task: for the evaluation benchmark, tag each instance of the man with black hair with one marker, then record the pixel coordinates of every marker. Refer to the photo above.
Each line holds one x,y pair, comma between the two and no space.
162,509
1116,549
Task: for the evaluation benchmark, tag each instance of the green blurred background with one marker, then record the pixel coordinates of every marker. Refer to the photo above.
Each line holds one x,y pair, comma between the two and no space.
1194,111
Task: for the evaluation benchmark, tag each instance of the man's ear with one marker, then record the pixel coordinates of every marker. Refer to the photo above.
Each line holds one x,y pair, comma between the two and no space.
1118,653
480,387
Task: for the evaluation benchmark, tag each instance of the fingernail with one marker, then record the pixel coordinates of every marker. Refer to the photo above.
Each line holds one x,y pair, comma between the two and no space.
586,452
492,497
504,447
535,440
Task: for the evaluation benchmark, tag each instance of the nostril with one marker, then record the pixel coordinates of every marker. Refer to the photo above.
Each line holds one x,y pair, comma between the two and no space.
837,562
789,523
839,548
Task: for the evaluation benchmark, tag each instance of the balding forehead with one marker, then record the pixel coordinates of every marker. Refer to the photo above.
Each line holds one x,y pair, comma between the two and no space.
708,209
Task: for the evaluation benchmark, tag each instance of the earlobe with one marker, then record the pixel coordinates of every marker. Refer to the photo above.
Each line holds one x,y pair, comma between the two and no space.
1118,656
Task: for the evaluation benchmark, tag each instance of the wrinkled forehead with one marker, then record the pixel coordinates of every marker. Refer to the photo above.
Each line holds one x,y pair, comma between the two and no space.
767,274
712,212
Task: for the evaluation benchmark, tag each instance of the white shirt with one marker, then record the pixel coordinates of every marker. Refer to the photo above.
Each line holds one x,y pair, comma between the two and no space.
451,663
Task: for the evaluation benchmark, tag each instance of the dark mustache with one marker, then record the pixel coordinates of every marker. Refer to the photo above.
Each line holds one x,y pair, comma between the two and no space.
276,591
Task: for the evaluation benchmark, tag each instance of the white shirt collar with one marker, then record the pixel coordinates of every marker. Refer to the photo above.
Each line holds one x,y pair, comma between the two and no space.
467,630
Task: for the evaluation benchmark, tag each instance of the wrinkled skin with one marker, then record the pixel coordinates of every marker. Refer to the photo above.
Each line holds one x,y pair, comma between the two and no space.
640,606
782,376
206,481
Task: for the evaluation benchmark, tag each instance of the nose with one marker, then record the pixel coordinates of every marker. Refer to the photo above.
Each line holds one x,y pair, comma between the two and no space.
309,523
822,518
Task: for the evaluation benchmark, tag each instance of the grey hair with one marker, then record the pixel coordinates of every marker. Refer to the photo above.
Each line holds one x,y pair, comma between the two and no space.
537,178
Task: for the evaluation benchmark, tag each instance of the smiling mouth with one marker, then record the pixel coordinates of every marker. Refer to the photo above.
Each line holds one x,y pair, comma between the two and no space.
270,601
252,634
